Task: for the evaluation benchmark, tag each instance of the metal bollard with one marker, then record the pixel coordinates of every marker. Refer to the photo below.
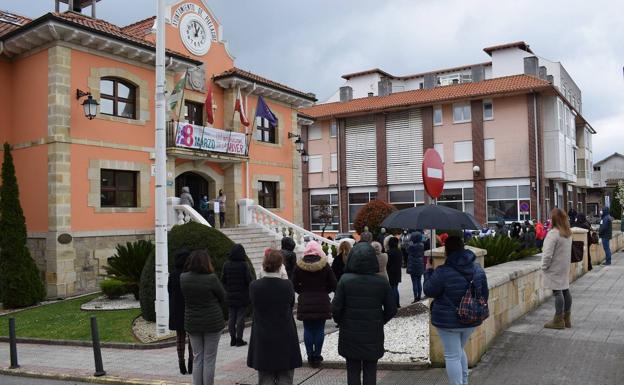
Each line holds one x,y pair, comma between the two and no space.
97,352
13,344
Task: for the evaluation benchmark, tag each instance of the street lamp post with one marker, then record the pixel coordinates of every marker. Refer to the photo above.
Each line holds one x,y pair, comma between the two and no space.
162,267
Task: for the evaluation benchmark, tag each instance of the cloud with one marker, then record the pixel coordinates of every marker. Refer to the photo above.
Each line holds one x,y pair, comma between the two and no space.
309,44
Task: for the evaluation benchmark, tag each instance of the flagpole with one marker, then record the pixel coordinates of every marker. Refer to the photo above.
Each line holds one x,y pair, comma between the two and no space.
160,228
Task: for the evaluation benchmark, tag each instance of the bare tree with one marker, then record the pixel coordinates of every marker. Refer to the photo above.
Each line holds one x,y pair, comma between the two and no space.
325,215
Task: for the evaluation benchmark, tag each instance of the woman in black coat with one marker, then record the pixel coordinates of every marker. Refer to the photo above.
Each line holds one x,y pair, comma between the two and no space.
340,260
395,261
313,280
362,305
176,310
236,278
583,223
274,345
290,258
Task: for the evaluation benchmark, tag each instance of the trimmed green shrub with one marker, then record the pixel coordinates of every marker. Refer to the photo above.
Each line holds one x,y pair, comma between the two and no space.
20,281
325,248
127,264
371,215
147,289
192,236
501,249
113,288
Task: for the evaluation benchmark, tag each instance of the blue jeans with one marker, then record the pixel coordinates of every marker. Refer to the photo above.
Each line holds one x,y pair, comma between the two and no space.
607,250
313,337
416,286
454,341
395,293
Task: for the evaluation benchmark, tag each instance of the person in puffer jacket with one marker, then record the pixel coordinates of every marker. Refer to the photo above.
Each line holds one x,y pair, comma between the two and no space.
290,258
313,280
236,277
447,286
416,263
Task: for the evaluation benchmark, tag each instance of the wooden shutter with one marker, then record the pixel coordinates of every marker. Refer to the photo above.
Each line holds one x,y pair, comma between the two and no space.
404,143
361,151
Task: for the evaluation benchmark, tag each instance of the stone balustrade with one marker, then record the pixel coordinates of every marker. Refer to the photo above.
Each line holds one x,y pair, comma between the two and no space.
516,288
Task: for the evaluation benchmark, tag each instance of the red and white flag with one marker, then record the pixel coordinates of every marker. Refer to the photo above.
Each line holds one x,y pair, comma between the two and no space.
208,105
240,107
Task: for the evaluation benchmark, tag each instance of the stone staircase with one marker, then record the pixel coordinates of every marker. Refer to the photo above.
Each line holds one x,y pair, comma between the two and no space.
255,239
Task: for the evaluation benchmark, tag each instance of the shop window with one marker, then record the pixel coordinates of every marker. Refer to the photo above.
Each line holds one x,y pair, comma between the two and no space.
118,188
510,203
265,131
324,212
356,202
267,194
194,113
118,97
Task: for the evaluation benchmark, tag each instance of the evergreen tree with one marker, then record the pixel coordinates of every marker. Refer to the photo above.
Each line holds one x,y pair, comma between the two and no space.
616,206
20,281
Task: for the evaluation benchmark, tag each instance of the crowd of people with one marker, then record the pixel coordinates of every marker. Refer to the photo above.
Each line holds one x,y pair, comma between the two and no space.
364,280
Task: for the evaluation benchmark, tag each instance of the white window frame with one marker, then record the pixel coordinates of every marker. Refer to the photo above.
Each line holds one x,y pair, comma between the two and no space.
491,103
317,130
333,162
467,158
491,154
465,106
439,147
333,128
438,108
316,169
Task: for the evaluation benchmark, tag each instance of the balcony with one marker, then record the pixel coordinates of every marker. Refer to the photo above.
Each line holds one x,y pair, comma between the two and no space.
190,141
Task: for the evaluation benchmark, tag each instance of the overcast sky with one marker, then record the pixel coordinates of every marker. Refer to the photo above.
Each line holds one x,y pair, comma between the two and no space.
309,44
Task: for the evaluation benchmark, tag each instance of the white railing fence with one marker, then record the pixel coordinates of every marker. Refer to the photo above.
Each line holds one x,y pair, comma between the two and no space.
251,214
178,214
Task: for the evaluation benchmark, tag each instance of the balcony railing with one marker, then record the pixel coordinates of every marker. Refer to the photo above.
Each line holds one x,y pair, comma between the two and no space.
188,136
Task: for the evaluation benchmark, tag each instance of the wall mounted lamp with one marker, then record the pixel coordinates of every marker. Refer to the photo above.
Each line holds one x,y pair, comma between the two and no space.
89,105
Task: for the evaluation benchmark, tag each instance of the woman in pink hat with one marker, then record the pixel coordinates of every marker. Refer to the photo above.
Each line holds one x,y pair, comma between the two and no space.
314,280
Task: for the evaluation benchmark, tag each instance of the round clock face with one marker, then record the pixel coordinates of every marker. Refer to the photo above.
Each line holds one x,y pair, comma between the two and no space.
195,34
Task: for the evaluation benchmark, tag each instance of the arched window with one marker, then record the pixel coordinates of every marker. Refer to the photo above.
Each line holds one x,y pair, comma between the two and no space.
117,97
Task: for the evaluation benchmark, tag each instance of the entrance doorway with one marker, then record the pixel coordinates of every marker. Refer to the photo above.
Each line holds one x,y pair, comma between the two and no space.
197,184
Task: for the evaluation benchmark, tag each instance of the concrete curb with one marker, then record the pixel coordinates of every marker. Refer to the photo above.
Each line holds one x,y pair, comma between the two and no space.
390,366
89,379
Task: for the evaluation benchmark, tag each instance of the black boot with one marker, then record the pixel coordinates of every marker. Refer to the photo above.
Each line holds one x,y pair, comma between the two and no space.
182,367
190,365
240,342
232,341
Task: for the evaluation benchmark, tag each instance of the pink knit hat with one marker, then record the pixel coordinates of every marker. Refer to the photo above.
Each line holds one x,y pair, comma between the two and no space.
313,248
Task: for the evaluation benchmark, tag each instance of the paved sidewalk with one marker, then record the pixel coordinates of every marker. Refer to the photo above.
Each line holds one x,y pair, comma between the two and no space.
592,352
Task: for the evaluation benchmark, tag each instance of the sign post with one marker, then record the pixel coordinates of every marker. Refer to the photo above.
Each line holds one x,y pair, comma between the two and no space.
433,178
160,169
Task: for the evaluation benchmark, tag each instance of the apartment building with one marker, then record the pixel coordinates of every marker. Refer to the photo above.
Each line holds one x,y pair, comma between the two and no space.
510,131
86,181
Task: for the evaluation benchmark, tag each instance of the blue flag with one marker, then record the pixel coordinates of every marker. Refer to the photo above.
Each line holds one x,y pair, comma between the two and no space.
263,111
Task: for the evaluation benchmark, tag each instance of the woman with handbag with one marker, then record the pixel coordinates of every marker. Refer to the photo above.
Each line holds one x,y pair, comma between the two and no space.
449,285
556,266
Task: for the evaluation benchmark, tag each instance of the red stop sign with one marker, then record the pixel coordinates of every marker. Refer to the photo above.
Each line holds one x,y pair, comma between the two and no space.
433,173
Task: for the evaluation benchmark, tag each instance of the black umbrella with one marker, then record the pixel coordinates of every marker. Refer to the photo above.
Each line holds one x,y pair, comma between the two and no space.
430,217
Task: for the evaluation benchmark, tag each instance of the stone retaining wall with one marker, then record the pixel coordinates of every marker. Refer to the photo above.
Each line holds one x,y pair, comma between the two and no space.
516,288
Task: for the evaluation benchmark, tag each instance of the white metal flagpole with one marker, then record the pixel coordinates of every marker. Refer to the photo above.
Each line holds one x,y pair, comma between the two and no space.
162,265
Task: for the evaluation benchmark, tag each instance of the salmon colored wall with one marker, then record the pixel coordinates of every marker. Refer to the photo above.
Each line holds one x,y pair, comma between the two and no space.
84,218
29,111
31,169
270,153
325,147
509,129
6,101
287,211
448,133
106,130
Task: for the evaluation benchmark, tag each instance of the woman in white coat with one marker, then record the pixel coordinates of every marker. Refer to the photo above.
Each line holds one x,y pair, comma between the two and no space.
556,254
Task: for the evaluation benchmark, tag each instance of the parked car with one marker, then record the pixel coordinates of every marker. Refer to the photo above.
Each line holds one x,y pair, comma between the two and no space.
340,236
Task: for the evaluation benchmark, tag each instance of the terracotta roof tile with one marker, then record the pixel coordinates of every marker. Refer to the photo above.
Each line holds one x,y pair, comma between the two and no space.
11,21
237,72
367,72
140,28
498,86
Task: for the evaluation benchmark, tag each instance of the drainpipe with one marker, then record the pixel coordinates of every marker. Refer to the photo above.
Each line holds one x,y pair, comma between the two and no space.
537,157
1,47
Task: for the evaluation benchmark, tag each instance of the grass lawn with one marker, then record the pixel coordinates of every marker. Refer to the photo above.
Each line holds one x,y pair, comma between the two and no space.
65,321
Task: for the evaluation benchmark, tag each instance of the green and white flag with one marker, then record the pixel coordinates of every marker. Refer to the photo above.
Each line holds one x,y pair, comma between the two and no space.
176,94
